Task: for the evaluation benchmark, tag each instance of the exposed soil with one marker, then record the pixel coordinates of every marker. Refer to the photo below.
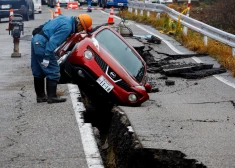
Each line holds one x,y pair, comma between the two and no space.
219,14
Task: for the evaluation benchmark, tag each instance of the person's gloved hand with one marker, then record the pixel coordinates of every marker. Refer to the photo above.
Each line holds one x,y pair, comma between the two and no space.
45,63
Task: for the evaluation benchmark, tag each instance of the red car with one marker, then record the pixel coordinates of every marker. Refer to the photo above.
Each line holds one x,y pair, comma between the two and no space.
105,66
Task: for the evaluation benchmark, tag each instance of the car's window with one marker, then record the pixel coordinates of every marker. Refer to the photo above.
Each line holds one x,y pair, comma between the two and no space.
121,52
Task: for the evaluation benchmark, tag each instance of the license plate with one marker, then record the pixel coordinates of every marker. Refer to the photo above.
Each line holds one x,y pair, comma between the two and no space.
5,6
120,4
104,83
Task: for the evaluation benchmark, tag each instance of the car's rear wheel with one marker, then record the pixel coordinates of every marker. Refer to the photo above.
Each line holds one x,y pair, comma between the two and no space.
40,11
26,16
32,17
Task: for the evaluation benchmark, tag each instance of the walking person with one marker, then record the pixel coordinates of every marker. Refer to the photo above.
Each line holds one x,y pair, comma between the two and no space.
89,6
104,4
43,59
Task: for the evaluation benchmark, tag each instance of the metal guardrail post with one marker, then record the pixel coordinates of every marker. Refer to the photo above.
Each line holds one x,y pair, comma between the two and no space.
205,40
148,13
136,11
158,16
233,52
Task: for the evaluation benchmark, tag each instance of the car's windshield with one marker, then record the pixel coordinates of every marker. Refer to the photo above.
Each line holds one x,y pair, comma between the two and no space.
122,53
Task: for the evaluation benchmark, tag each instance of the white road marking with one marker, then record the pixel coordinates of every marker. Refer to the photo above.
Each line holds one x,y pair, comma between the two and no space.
91,150
167,42
220,78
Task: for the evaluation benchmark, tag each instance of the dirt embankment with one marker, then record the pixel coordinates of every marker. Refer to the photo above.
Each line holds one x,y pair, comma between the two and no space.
219,14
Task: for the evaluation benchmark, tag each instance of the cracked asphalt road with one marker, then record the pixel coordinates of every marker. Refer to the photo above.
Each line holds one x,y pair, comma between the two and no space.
33,134
195,117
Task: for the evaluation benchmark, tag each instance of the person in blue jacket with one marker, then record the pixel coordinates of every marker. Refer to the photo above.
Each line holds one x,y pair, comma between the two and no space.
43,59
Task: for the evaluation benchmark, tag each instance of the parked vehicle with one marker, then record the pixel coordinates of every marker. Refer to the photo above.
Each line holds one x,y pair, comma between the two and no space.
117,3
65,2
105,67
93,2
44,2
37,6
22,7
52,3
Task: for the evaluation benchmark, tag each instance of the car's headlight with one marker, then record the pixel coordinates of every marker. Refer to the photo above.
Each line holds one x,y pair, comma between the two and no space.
88,54
132,97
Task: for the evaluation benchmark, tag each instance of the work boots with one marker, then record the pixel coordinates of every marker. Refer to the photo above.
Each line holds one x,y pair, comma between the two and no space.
51,87
39,86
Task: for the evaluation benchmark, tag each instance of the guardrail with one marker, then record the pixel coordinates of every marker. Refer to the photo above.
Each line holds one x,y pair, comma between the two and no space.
206,30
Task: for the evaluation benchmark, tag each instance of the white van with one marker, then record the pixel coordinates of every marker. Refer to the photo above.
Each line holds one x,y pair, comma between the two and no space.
37,6
65,2
52,3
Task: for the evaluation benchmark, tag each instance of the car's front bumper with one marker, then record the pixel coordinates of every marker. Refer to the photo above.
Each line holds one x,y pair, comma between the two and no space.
88,80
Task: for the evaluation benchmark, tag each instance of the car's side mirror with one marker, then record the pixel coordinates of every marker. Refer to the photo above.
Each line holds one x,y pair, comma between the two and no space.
148,87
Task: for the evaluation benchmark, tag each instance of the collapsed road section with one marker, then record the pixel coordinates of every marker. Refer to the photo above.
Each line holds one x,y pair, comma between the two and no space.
119,145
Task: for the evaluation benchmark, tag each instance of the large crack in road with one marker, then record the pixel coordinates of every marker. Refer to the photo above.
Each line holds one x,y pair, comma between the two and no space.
118,144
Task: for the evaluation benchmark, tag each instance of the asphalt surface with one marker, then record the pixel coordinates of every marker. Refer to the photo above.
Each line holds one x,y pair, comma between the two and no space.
195,117
33,134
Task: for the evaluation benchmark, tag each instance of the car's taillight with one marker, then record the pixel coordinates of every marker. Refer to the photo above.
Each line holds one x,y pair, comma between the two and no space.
88,54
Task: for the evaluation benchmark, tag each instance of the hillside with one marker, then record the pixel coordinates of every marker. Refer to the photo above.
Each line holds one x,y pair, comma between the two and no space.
217,13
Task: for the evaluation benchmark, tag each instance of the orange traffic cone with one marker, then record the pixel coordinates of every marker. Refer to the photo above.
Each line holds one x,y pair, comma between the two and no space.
11,13
58,8
111,16
55,14
10,17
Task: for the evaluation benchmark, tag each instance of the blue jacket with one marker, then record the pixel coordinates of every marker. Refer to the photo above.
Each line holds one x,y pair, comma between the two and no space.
57,30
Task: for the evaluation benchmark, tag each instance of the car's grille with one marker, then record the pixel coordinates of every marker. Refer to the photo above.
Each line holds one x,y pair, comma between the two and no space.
100,62
104,66
124,85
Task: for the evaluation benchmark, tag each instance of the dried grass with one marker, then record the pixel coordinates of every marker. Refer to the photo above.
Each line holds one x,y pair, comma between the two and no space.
193,41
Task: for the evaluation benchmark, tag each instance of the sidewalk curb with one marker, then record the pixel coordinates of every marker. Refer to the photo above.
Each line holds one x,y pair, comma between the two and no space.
90,147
